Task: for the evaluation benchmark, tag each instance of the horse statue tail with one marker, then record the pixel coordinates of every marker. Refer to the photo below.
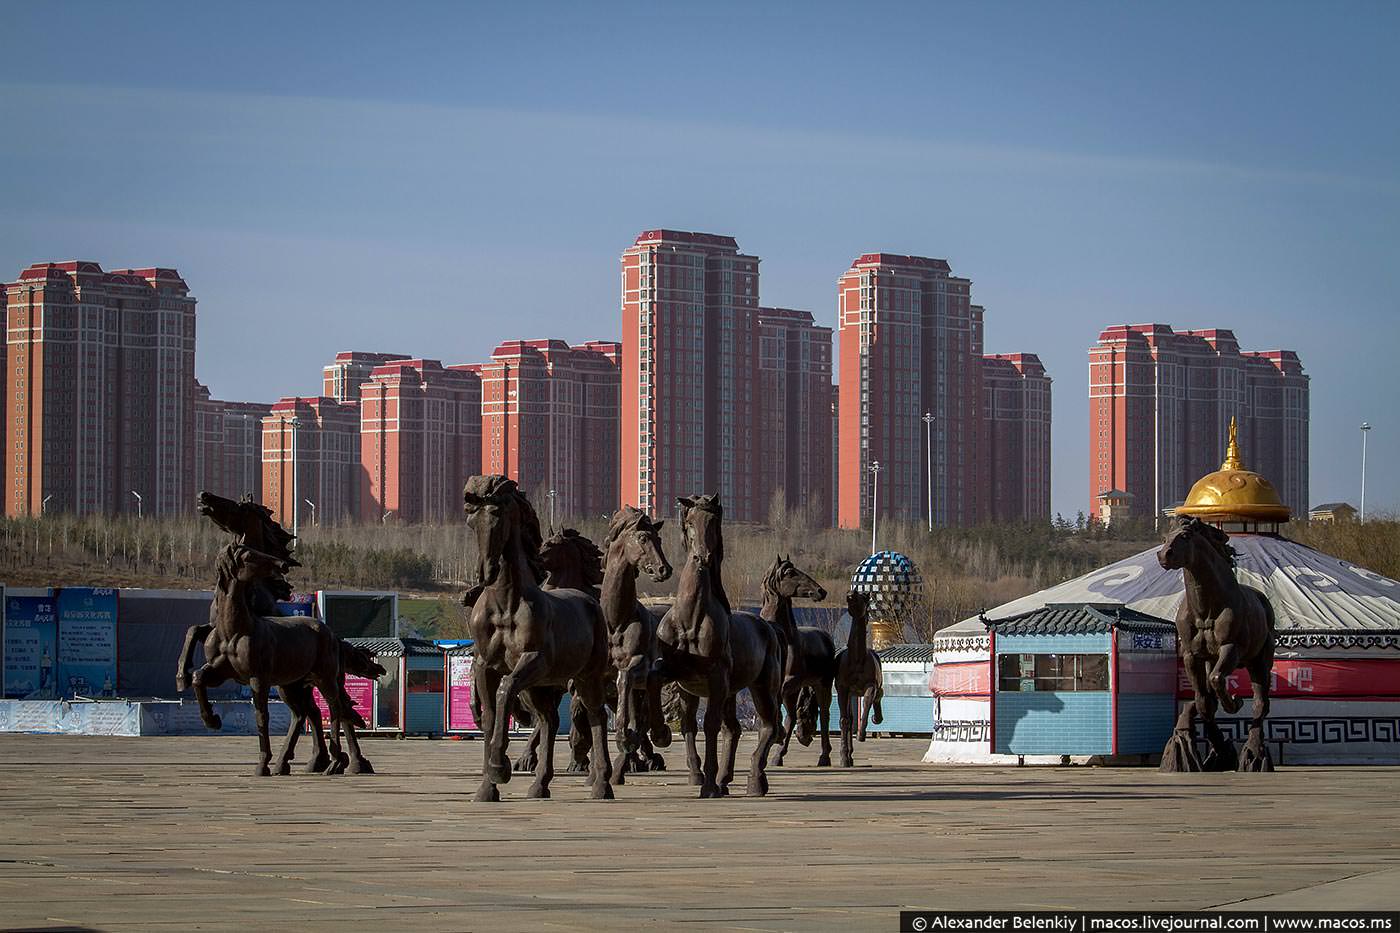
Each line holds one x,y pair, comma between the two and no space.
356,660
806,715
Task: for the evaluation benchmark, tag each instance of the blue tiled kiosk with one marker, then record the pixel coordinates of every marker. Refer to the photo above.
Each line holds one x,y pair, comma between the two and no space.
1082,679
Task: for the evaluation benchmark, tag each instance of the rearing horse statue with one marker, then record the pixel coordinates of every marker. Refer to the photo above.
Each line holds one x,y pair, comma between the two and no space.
1221,625
529,641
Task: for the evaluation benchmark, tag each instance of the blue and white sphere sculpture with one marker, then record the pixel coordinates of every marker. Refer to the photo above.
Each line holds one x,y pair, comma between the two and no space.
896,591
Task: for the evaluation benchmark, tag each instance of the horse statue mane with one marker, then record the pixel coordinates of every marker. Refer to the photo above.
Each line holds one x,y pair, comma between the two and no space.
774,573
1217,539
503,489
710,503
585,554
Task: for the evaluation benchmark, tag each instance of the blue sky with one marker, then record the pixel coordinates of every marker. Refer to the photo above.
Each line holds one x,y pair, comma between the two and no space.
432,179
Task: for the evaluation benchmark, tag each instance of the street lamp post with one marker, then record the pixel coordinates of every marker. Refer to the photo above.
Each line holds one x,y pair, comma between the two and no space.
928,422
874,503
1365,429
44,506
296,478
249,483
384,519
313,511
138,502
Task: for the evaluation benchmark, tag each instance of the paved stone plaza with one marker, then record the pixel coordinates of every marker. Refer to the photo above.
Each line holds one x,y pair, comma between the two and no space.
127,834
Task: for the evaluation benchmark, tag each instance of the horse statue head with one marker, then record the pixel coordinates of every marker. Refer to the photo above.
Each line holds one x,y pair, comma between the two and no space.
244,564
700,529
784,580
250,524
571,561
501,515
637,539
1190,541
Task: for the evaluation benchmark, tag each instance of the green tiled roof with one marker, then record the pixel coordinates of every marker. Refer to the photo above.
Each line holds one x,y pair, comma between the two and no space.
1078,619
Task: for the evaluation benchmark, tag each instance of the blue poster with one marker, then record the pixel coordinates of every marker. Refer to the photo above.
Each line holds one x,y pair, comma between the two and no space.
87,642
31,646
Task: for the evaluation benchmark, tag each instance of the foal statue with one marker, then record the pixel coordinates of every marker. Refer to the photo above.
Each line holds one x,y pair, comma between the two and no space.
1220,626
809,653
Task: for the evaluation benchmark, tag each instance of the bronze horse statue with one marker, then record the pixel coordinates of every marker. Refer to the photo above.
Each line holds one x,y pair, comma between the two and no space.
292,652
713,652
809,653
634,546
252,525
858,675
529,641
1221,625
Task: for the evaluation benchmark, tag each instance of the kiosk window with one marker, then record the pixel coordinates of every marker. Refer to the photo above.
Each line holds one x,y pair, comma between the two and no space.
1052,672
425,681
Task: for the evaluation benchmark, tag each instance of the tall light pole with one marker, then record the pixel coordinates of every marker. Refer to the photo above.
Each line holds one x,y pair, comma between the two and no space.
874,503
44,506
138,502
552,496
1365,429
928,431
384,519
249,483
313,511
296,478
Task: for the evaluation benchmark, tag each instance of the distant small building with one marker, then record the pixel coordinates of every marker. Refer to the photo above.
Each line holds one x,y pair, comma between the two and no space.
1332,512
1114,505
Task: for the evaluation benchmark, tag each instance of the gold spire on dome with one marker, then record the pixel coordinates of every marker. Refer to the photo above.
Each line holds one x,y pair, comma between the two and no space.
1234,494
1232,453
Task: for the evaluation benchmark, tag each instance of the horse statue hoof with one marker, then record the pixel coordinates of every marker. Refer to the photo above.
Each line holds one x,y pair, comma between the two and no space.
708,791
361,766
1254,757
498,773
487,793
602,790
1179,755
537,792
1221,758
758,784
319,763
824,761
526,763
577,767
262,771
697,779
215,722
284,768
661,736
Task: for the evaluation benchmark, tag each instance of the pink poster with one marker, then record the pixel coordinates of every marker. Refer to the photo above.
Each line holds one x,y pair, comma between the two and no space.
361,690
459,693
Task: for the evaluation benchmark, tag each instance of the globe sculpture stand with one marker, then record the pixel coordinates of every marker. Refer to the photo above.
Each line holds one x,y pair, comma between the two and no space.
895,591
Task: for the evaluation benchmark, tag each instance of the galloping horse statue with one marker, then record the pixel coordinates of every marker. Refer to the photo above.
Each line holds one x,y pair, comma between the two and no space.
809,653
712,652
292,652
529,641
253,526
633,546
1220,626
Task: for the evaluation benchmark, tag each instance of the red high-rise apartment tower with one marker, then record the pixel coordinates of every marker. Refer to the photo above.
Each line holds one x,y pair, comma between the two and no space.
794,427
101,390
689,372
228,445
322,437
351,369
420,438
910,343
1016,427
549,420
1160,404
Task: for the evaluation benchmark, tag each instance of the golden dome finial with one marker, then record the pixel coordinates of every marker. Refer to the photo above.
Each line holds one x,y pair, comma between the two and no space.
1232,452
